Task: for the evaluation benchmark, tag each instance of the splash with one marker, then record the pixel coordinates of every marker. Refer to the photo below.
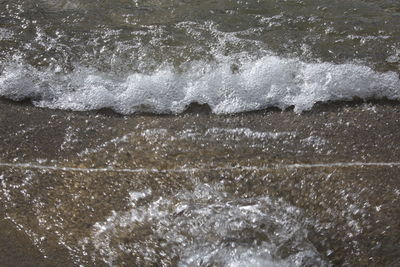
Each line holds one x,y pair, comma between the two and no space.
204,227
225,86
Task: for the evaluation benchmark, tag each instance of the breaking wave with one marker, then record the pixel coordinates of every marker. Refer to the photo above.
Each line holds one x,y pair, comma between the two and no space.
226,86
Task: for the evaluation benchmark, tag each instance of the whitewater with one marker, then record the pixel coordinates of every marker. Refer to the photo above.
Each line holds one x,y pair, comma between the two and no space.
270,81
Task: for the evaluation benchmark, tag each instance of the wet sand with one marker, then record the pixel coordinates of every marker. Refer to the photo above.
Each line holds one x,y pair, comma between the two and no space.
61,172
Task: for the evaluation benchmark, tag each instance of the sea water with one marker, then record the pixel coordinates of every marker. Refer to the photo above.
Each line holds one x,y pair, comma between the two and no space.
160,57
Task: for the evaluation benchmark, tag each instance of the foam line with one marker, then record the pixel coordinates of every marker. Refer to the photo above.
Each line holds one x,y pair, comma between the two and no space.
270,81
185,170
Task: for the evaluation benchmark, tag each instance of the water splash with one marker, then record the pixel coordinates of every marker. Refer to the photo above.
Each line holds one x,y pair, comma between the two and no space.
270,81
203,227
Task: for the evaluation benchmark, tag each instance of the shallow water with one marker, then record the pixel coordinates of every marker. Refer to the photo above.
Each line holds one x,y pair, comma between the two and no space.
264,188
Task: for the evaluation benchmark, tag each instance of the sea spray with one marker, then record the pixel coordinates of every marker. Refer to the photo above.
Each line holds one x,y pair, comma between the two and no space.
270,81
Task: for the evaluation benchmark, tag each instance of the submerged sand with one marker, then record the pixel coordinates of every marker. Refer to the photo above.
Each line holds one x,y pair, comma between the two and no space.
62,172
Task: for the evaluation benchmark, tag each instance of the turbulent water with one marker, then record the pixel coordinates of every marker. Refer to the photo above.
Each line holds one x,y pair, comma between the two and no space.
201,189
161,56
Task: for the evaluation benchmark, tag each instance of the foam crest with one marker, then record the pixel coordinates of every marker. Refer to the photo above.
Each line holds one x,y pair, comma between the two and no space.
227,87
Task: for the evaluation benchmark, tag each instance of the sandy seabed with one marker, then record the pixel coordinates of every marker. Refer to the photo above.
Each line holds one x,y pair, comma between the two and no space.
62,172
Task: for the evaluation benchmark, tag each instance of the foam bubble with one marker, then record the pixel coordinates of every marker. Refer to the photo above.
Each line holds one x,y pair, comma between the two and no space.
205,227
226,87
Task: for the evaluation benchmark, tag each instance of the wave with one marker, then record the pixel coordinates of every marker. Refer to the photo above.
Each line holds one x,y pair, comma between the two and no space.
225,86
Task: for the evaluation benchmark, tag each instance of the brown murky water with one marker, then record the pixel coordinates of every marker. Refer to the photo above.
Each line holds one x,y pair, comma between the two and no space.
314,185
100,189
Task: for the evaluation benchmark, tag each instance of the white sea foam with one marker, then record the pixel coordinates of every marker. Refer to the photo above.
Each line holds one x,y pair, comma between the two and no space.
205,227
225,87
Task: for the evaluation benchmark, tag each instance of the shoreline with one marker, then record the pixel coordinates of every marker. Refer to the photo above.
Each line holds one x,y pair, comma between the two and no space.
219,148
197,108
